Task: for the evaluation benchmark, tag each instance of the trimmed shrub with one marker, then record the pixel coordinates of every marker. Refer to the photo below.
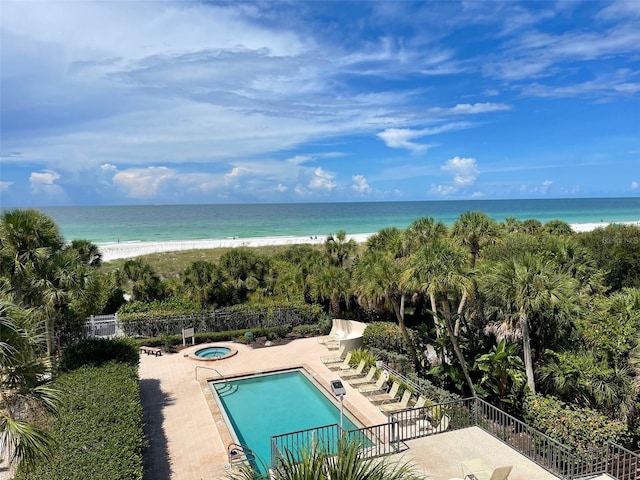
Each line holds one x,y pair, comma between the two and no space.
385,336
98,430
98,351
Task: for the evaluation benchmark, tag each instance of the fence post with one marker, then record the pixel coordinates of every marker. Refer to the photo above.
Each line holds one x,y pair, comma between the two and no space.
92,327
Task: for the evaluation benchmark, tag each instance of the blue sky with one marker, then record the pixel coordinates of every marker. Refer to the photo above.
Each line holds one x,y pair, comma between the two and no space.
150,102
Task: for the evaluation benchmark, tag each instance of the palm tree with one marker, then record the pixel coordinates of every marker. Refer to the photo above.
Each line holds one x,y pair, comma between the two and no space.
438,269
340,246
378,278
321,463
203,282
25,397
423,231
331,283
245,270
88,251
27,238
475,230
146,285
518,288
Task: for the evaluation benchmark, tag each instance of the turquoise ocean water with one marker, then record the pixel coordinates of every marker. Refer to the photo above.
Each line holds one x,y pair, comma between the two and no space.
106,224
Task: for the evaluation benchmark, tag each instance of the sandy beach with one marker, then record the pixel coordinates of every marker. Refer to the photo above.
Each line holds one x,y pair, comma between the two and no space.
114,251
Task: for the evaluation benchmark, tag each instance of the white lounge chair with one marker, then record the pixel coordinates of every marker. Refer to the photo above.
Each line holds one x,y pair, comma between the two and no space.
428,427
395,406
337,358
340,365
364,380
375,387
382,397
354,372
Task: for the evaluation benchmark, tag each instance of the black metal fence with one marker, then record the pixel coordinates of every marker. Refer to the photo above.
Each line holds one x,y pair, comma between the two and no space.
387,438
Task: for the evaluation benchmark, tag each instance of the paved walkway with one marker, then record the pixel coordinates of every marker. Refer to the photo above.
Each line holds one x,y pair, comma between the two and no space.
188,438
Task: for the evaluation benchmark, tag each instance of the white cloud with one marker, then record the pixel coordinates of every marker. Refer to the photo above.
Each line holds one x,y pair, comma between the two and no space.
361,185
469,109
144,182
322,180
464,170
635,185
235,173
401,138
5,186
281,188
43,183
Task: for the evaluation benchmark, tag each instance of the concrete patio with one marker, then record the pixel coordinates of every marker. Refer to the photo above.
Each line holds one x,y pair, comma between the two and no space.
188,438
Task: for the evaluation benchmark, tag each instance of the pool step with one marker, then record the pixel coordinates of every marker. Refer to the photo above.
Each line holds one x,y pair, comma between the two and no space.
239,453
224,389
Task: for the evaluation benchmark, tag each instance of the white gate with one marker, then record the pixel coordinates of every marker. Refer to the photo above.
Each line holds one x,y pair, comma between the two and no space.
103,326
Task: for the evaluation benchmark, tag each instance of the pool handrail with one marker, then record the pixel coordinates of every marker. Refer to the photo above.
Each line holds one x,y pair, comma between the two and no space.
224,379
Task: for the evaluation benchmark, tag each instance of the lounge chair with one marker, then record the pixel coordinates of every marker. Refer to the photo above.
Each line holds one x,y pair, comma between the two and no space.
382,397
340,364
395,406
354,372
334,358
364,380
500,473
379,385
421,402
428,427
332,334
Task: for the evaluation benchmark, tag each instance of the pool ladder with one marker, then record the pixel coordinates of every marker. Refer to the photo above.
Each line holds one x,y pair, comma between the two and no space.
224,379
238,453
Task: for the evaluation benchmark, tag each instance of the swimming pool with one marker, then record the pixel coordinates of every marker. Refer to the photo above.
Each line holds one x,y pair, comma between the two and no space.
260,407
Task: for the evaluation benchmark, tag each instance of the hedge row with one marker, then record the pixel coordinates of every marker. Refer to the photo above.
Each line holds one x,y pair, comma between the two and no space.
98,430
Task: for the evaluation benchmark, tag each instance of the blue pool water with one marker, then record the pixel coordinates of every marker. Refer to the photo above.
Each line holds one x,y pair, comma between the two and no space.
212,352
263,406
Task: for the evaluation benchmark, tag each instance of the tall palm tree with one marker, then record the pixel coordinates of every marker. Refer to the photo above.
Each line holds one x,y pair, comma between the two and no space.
145,283
340,247
245,269
518,288
475,230
25,397
422,231
378,278
27,238
439,269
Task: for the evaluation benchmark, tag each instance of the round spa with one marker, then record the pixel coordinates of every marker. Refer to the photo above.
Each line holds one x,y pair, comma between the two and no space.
210,353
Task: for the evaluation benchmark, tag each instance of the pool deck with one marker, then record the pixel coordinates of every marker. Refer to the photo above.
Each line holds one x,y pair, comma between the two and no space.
188,438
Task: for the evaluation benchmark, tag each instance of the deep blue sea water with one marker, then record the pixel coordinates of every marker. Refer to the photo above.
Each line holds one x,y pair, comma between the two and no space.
105,224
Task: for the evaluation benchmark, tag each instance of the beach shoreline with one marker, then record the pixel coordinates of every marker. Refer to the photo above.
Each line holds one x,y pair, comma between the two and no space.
124,250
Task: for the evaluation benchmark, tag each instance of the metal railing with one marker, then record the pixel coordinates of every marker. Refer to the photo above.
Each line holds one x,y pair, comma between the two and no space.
387,438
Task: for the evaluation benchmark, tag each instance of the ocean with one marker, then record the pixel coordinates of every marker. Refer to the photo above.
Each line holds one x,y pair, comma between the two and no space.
161,223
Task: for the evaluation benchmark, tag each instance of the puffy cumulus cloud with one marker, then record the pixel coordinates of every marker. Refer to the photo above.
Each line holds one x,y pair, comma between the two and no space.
144,182
5,186
322,180
281,188
464,170
635,185
401,138
43,183
236,172
361,185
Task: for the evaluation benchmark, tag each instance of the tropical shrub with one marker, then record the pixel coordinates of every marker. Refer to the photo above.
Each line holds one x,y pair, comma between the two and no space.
363,354
98,351
385,336
98,430
580,429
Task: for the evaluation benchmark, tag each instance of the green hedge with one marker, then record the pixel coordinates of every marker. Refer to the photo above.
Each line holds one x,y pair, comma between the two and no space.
385,336
98,430
98,351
